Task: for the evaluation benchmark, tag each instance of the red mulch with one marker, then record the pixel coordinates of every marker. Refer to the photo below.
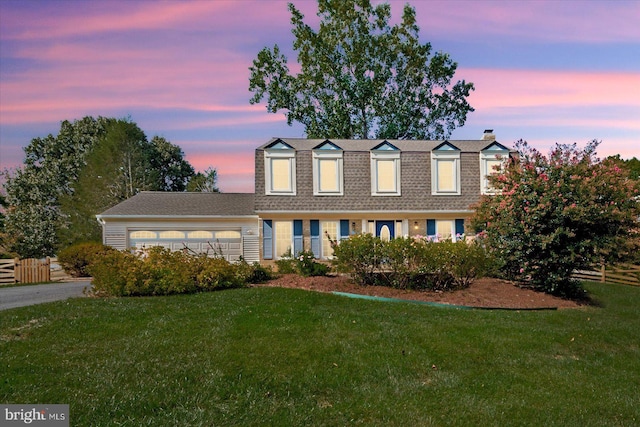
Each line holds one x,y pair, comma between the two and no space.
486,292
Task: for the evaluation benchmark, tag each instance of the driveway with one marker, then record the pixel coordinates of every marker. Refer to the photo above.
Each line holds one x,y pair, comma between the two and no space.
20,296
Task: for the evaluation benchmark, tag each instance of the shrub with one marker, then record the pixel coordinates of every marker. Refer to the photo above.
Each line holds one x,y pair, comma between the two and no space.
253,273
159,271
361,256
558,213
415,263
218,273
304,264
115,272
76,259
307,265
465,261
401,257
286,265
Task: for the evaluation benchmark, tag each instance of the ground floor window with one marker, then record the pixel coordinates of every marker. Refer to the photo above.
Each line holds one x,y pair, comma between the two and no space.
283,231
329,230
445,229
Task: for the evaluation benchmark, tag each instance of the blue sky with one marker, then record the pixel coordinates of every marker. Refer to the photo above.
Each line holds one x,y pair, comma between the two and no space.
544,71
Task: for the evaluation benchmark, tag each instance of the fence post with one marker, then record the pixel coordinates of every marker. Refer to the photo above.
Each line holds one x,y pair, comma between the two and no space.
603,274
17,271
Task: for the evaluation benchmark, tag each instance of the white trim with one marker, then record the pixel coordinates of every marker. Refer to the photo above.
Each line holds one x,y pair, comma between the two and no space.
373,212
446,155
279,154
337,156
385,156
485,157
101,218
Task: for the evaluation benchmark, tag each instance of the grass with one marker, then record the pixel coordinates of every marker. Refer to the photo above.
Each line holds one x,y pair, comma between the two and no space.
269,356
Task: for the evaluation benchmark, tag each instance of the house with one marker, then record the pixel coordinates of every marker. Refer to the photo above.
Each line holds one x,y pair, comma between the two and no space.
310,190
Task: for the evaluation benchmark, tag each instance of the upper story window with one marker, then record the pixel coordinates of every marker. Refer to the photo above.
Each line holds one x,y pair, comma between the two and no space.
385,170
492,160
280,169
445,169
327,170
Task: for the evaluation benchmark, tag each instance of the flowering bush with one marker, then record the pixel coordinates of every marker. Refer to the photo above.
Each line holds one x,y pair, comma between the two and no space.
556,214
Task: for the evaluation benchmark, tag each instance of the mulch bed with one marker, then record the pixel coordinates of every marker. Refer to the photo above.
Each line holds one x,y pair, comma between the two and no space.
483,293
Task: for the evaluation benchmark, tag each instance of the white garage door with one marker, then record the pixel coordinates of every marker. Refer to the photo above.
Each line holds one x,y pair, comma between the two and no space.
224,243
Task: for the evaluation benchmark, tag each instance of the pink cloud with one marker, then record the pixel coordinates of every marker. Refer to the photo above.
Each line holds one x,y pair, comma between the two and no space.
499,88
235,170
531,20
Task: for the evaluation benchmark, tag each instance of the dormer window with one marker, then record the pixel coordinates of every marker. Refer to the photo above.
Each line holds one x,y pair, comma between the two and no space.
492,160
445,169
280,169
385,170
327,170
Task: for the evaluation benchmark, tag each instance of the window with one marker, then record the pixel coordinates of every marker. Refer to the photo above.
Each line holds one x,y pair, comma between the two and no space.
385,170
143,234
280,169
283,231
492,160
172,235
281,238
445,229
329,229
200,234
445,169
327,170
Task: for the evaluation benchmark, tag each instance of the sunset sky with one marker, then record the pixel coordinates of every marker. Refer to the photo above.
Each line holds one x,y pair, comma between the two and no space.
544,71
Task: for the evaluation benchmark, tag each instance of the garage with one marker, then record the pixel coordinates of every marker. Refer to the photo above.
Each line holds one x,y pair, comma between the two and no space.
221,243
216,224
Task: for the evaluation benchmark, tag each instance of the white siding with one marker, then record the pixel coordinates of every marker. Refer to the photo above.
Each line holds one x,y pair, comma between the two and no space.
115,235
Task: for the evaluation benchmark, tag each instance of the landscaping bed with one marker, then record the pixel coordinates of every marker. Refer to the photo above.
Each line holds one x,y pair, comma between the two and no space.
484,293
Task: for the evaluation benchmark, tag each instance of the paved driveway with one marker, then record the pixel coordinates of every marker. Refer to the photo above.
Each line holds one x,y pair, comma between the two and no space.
20,296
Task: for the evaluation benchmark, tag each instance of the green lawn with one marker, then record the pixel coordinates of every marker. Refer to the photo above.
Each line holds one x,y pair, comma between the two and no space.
283,357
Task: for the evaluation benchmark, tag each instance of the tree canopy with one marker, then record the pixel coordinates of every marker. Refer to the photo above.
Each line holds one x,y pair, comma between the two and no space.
68,178
361,77
559,213
204,182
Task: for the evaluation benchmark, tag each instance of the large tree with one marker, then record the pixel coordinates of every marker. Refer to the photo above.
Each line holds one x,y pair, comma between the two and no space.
360,77
121,164
68,178
33,191
558,213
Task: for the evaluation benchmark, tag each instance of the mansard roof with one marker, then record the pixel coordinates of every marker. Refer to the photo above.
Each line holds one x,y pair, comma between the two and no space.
409,145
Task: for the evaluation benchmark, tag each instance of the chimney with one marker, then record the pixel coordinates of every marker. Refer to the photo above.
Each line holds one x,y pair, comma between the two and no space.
488,135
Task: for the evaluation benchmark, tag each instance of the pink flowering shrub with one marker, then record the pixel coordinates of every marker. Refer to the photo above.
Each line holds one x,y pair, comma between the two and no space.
557,214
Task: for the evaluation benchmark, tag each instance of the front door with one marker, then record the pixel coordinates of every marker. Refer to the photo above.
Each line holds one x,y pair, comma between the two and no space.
385,230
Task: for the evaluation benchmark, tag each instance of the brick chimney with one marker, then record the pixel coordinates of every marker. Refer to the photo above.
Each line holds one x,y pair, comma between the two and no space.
488,135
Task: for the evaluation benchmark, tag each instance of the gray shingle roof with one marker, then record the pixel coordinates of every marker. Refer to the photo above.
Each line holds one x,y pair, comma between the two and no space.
158,203
303,144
